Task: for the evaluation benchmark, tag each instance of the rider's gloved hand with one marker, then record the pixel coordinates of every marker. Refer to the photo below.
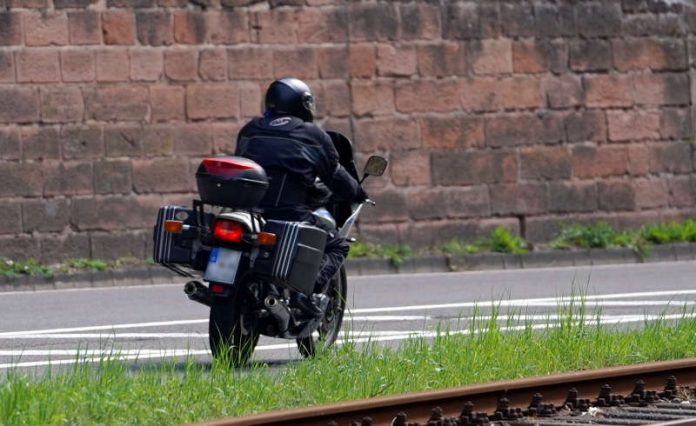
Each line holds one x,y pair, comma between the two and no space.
361,195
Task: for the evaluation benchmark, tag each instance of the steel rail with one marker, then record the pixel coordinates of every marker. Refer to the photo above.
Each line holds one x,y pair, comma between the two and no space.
485,397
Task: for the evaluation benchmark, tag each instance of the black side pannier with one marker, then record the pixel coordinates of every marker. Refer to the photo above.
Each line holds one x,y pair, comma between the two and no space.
180,249
295,260
233,182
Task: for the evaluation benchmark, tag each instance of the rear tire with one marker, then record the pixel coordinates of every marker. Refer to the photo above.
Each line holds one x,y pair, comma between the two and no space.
328,330
230,340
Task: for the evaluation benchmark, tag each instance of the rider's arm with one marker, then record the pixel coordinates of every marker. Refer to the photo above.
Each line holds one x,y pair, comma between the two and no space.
334,175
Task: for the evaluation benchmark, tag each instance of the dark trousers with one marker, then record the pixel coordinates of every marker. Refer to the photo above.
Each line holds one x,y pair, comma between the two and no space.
335,253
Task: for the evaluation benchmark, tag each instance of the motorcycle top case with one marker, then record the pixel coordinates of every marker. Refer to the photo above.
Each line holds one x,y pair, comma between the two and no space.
181,248
233,182
295,260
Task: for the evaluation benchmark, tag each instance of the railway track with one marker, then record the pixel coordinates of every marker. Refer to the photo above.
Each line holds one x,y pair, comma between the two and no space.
659,393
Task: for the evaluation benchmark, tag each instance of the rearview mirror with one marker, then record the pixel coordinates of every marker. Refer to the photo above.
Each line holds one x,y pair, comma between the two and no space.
375,166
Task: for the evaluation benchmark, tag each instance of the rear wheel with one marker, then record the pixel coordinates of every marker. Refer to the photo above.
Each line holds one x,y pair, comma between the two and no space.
328,330
231,340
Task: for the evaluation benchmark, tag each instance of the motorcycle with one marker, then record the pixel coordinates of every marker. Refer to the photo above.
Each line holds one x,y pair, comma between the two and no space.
260,273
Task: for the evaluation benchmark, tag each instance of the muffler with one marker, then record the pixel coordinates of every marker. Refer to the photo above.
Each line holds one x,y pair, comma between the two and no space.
196,291
279,311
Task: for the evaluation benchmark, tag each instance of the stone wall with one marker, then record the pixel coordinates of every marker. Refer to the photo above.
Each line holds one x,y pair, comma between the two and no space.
520,113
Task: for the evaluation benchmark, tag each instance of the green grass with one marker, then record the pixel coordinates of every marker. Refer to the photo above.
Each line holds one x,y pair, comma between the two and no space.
13,268
114,393
396,254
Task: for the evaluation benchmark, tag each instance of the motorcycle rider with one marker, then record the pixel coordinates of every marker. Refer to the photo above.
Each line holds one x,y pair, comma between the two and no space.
294,152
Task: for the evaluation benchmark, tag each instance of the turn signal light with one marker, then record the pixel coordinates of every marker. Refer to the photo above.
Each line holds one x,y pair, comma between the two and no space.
266,239
173,226
228,231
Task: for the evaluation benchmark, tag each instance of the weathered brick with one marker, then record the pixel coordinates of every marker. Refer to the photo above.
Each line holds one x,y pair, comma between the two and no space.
10,143
372,98
46,29
604,91
59,247
112,66
10,28
212,101
396,61
639,159
328,25
650,194
46,215
112,177
277,26
519,199
653,25
363,60
158,141
676,123
37,66
68,178
554,20
167,103
62,104
441,60
77,66
250,63
118,27
473,167
489,20
19,105
599,161
373,21
386,134
135,4
123,141
463,21
84,27
598,19
616,196
82,142
588,125
161,175
590,55
118,103
452,132
681,191
225,137
445,203
670,157
39,143
395,207
512,130
113,212
7,68
21,179
430,234
492,56
154,28
545,163
181,65
649,53
633,125
564,91
193,139
299,62
661,89
527,58
410,168
189,27
517,19
227,27
212,65
73,4
19,247
146,64
572,197
334,62
333,100
110,246
427,96
420,21
11,214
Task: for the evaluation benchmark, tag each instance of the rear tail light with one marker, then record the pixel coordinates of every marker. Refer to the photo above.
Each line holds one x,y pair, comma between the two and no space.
228,231
217,288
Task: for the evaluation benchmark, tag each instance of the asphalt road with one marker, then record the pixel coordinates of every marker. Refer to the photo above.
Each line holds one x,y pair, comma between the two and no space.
152,322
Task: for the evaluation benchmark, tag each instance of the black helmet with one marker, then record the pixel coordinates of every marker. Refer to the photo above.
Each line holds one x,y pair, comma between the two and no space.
290,96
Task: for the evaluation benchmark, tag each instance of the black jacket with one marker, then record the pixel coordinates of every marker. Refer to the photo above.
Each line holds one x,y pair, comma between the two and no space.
293,153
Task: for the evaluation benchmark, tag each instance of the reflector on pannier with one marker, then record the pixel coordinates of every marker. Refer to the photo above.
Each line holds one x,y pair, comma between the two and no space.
295,260
233,182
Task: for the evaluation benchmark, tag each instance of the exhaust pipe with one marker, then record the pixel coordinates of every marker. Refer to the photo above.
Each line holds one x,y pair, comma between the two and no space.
196,291
280,312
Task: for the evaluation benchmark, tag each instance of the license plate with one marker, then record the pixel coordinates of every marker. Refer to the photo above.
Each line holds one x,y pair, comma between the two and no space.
223,265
